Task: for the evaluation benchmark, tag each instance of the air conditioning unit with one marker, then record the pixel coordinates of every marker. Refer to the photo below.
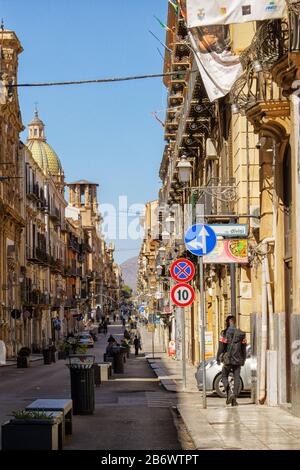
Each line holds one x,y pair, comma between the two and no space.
255,219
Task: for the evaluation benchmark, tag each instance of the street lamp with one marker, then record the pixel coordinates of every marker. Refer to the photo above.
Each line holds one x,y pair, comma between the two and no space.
257,67
184,170
171,223
159,270
162,252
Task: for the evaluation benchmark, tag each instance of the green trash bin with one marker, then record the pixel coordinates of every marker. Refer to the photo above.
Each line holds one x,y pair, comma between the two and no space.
118,360
82,383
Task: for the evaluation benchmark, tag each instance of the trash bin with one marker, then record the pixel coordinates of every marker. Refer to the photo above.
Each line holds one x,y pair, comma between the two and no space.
118,361
107,358
97,374
53,353
47,356
82,383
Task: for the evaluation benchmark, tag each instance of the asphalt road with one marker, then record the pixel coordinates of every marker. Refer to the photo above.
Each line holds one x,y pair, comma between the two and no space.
132,411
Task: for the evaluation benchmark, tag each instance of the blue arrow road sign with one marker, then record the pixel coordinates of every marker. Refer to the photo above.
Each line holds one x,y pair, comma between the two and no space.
200,239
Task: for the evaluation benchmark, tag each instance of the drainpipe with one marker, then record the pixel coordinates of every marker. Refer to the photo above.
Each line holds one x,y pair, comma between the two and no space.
265,279
264,337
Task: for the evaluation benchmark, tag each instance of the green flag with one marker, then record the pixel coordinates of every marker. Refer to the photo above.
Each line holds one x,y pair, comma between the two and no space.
163,25
175,6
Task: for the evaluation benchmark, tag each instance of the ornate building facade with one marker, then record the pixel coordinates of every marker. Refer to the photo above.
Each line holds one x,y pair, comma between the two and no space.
55,266
242,155
12,213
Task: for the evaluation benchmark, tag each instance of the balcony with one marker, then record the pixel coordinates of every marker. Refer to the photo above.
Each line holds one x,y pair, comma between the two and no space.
56,265
264,62
33,191
71,302
42,256
36,297
55,215
181,48
73,244
175,99
218,198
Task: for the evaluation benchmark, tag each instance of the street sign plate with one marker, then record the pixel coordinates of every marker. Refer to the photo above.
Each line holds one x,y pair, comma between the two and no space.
182,270
200,239
182,295
230,230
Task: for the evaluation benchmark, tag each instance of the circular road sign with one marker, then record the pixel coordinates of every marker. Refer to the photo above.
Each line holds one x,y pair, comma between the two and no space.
200,239
182,295
182,270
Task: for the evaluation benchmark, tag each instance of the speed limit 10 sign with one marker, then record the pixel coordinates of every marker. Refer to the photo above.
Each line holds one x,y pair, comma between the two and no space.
182,295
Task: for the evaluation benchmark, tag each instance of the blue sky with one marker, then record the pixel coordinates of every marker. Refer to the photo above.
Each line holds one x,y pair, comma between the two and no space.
104,133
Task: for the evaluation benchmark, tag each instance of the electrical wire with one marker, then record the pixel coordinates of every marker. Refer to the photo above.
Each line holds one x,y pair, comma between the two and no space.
100,80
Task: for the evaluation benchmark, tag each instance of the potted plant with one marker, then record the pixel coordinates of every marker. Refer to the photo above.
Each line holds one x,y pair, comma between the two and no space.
64,349
30,430
23,358
126,346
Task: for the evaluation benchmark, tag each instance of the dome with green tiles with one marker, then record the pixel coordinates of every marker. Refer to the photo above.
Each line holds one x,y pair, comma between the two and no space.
42,152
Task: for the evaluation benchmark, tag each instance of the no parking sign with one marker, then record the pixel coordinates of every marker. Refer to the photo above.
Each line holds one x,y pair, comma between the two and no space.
182,270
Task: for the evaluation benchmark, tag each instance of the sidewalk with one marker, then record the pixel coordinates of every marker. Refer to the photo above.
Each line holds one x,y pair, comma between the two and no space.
13,362
218,427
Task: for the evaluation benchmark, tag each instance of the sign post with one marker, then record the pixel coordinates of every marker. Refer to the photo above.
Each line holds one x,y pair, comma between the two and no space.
202,328
183,349
182,270
200,240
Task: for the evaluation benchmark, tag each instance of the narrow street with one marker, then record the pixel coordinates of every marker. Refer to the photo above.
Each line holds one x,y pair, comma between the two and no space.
132,411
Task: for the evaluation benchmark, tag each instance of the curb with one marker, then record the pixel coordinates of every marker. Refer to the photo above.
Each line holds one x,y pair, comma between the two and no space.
14,363
169,384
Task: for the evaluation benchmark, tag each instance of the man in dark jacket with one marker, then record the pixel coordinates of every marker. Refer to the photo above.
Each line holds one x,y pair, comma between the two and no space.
232,352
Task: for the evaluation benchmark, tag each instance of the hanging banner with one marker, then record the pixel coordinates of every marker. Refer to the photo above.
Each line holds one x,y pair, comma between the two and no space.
220,12
218,66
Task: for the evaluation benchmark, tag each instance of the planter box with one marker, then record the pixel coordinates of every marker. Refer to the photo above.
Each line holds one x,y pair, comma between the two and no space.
54,356
35,434
23,362
47,356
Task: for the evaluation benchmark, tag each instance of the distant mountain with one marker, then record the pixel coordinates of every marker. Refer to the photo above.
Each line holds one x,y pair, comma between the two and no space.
129,272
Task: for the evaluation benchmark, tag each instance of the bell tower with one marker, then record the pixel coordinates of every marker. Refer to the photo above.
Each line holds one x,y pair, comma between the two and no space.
83,196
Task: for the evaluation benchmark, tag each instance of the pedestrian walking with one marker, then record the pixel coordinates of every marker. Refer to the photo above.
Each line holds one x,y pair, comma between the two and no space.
137,345
232,353
114,317
124,322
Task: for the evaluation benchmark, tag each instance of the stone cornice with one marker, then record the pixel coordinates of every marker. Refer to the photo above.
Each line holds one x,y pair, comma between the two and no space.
263,112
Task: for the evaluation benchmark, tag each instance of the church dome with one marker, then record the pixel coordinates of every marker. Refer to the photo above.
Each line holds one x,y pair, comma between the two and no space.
42,152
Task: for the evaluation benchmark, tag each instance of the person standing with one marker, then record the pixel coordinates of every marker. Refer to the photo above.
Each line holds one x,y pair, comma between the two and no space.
232,353
137,345
104,327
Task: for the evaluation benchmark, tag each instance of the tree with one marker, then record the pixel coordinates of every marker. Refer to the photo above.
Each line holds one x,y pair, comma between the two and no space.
126,291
